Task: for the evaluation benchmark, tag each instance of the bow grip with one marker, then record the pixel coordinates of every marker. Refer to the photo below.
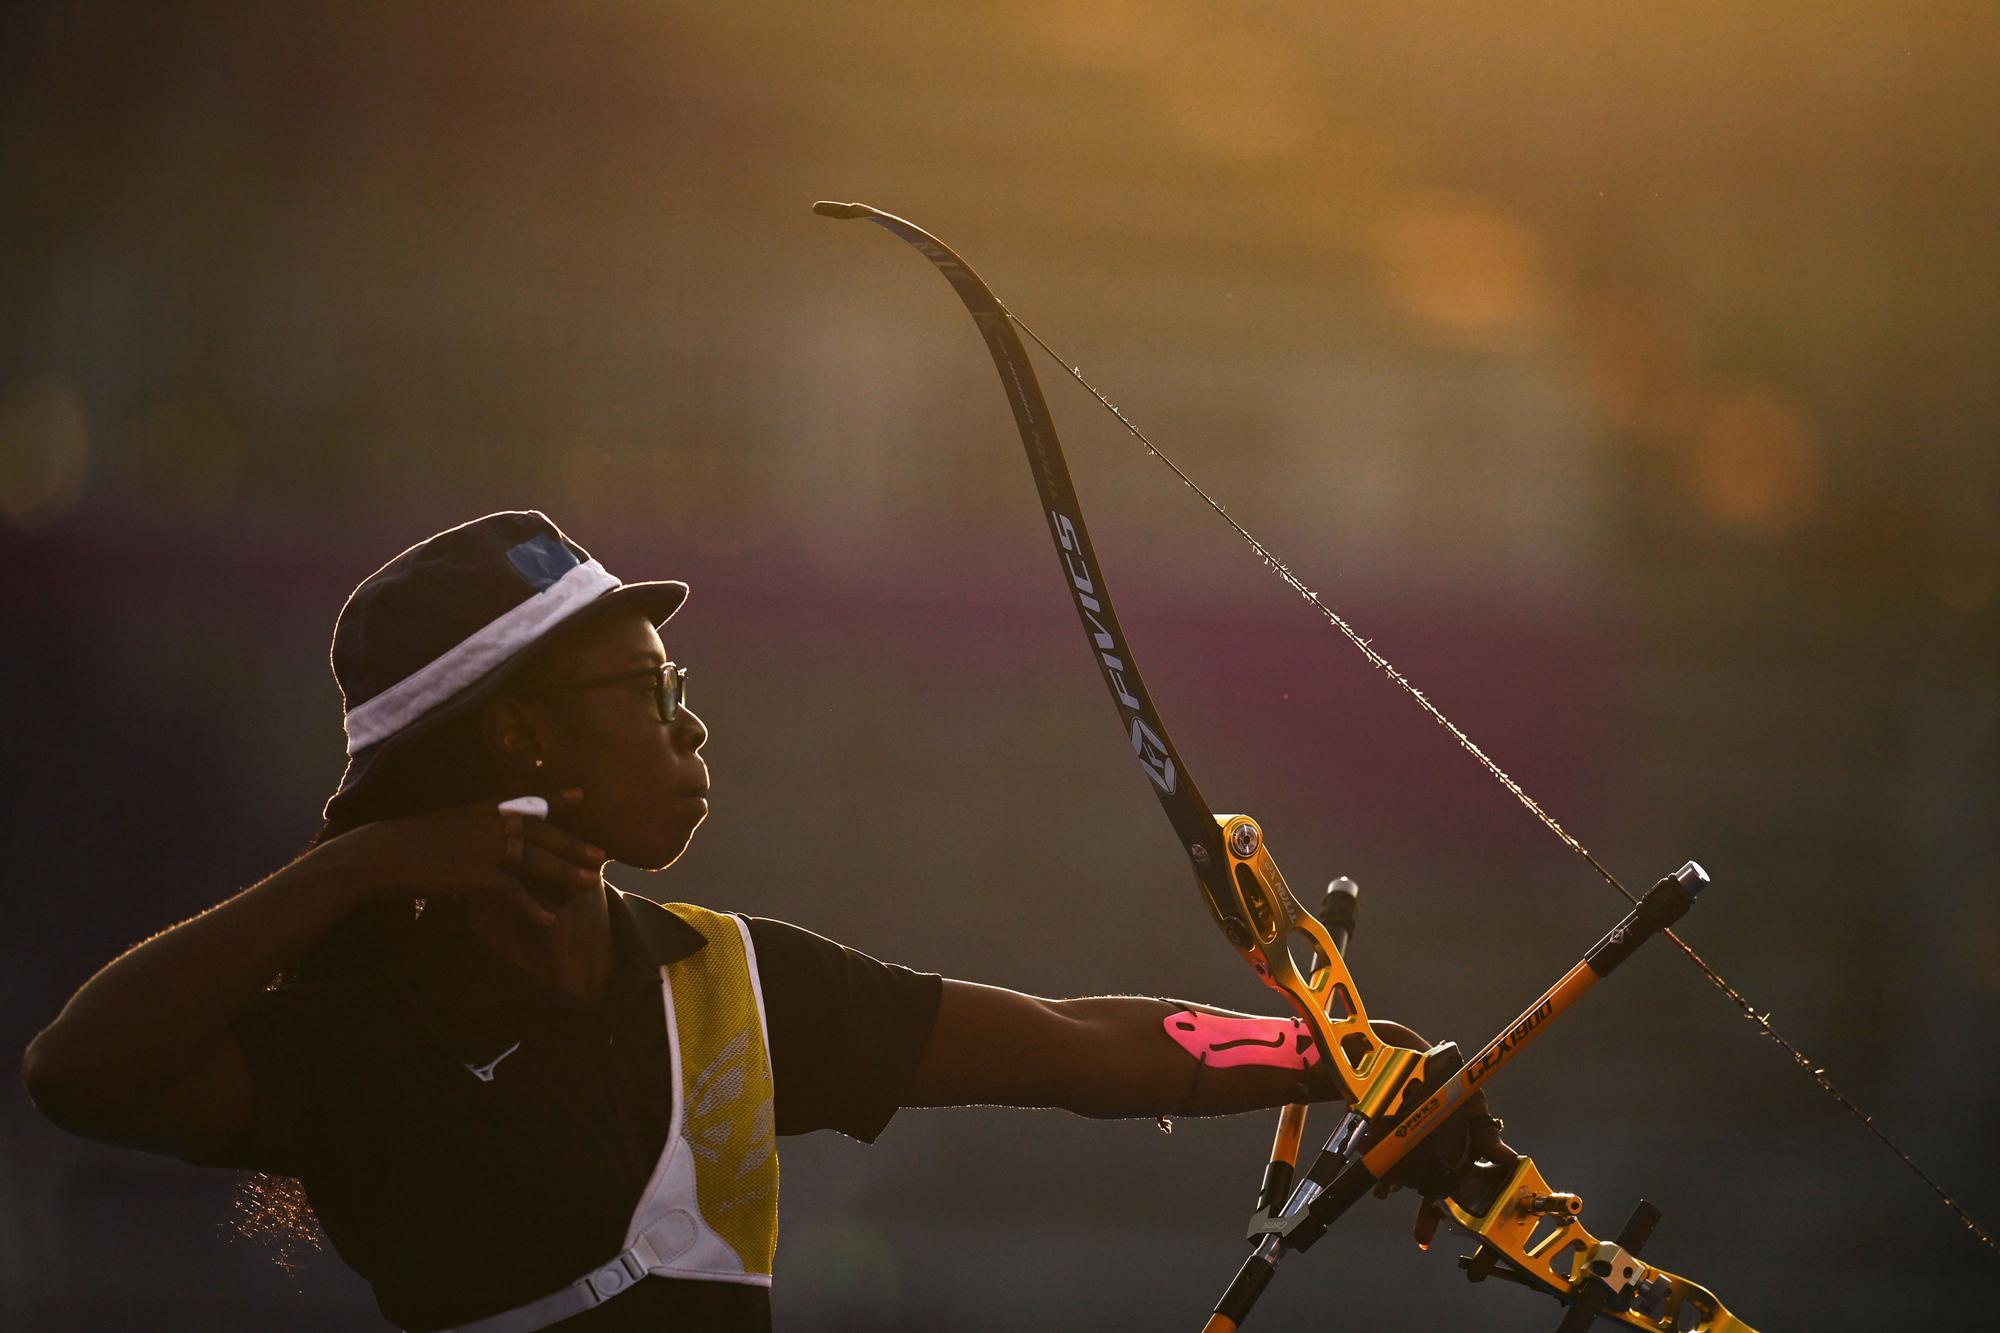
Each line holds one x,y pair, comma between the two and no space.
1369,1071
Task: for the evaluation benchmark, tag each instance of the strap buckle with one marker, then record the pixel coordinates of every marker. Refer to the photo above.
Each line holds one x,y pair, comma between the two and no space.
613,1278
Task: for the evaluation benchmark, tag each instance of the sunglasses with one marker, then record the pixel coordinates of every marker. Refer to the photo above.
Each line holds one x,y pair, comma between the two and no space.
670,686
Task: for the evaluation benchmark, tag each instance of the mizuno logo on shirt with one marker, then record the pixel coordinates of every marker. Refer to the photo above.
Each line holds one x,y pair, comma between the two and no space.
484,1073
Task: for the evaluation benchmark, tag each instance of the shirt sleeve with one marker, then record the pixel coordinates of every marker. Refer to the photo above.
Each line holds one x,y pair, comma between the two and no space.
846,1031
290,1038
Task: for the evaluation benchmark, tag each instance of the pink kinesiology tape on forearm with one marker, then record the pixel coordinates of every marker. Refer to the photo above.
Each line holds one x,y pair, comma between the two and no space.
1222,1041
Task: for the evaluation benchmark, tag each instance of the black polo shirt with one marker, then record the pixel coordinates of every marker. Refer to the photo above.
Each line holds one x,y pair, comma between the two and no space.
459,1196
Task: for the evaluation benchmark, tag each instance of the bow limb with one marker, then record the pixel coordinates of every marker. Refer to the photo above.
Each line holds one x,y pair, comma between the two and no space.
1246,895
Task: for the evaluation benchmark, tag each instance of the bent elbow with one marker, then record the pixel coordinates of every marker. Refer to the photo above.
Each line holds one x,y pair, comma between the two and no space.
54,1090
38,1077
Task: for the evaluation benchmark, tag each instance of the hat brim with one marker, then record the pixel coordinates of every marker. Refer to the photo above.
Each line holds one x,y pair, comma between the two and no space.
659,599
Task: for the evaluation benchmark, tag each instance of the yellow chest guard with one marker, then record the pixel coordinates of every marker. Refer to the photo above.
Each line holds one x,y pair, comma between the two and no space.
723,1127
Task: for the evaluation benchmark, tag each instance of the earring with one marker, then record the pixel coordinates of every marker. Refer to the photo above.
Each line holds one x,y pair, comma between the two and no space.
539,761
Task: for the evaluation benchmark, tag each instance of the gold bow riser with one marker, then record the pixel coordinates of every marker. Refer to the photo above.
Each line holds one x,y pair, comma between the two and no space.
1534,1235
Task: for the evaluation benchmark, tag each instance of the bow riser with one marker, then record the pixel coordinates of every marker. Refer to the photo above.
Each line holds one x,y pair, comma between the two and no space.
1368,1070
1546,1247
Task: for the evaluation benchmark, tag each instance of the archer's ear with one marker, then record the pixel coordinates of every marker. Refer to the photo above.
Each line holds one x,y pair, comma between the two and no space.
512,731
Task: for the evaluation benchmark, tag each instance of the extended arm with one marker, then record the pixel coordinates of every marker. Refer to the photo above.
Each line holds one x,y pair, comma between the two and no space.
1104,1056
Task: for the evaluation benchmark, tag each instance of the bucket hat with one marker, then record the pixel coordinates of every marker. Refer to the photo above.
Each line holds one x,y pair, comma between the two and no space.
430,634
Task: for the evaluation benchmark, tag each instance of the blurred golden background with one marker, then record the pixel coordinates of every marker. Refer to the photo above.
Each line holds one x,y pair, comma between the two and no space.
1624,373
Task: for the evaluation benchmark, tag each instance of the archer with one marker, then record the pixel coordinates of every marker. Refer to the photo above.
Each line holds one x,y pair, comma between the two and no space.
516,1097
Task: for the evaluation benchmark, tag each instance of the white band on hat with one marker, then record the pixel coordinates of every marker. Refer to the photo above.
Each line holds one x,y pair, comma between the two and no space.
466,662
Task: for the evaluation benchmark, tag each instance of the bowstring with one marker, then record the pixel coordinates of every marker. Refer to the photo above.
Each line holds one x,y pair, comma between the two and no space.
1748,1011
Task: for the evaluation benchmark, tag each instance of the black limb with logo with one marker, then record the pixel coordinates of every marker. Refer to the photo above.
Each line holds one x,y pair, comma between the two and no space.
1194,823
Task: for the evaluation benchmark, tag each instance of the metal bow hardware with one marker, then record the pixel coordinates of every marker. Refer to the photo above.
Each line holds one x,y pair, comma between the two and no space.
1526,1231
